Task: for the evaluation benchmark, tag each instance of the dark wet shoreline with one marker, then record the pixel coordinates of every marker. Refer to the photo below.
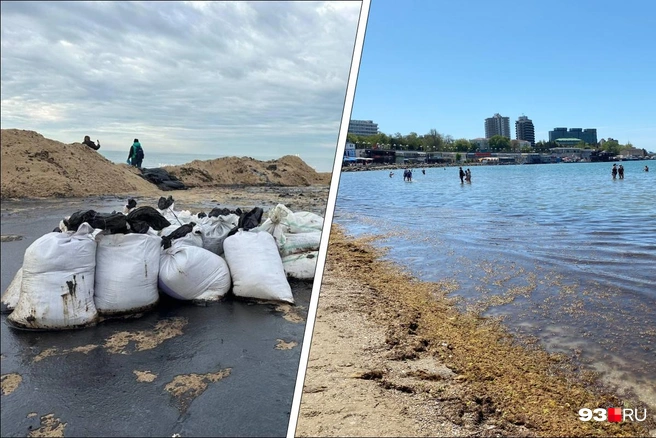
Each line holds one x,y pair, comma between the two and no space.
85,382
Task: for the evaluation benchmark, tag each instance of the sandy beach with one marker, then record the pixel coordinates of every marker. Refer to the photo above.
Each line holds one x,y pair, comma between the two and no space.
392,356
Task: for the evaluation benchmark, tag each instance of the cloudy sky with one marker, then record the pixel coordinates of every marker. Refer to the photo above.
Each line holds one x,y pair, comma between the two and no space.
260,79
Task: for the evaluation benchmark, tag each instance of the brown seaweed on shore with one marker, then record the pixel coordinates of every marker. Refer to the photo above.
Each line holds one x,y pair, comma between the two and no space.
502,381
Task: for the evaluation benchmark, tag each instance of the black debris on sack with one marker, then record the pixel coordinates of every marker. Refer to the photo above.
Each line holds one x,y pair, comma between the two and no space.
162,179
178,233
57,230
131,203
165,203
201,215
248,220
112,222
251,219
141,218
216,212
139,227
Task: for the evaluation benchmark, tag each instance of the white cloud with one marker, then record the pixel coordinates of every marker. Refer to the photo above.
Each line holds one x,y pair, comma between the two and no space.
231,78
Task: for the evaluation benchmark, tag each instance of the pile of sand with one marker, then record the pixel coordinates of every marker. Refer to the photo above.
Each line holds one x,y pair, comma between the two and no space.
286,171
35,167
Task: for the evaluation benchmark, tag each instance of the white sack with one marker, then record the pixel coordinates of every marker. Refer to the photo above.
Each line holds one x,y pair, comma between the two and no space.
183,217
276,223
256,267
58,279
301,266
195,238
127,266
304,222
298,243
178,218
189,272
215,230
12,294
281,220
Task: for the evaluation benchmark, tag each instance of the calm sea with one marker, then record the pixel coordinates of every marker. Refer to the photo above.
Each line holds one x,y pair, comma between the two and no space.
156,159
561,251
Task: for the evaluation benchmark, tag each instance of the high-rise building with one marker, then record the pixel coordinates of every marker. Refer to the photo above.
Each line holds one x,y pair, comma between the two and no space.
588,136
497,125
524,130
363,127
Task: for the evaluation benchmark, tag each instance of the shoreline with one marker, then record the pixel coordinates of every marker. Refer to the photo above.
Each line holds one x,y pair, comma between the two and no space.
430,369
306,198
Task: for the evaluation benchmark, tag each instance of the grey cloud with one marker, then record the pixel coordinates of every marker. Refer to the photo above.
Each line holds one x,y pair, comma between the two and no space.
252,73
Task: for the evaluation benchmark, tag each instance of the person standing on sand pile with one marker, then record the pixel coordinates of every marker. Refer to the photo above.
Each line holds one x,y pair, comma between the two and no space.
87,141
136,154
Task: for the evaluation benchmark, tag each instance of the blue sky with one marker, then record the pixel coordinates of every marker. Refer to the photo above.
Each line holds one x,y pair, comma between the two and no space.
448,65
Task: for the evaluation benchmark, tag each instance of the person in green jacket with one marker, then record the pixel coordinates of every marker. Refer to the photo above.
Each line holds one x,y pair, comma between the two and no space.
136,154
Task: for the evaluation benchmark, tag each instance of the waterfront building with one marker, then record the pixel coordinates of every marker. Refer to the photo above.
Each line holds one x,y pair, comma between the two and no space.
497,125
482,143
349,149
567,141
524,130
632,152
588,136
363,127
518,145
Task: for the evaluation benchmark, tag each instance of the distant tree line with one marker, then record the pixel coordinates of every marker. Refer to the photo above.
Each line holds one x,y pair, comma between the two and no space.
434,141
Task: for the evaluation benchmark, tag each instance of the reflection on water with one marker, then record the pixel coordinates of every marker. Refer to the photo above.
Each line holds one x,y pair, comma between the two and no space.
560,251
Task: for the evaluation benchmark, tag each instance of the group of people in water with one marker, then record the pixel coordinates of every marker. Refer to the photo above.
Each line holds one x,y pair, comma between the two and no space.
135,156
465,175
619,171
407,174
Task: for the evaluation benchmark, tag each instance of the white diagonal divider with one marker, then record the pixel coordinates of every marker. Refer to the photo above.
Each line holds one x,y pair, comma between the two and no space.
328,219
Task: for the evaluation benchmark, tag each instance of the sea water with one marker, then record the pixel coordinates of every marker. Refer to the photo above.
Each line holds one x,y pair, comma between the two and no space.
561,252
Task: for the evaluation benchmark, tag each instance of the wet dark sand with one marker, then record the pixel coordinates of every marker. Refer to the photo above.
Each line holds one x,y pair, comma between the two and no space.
223,370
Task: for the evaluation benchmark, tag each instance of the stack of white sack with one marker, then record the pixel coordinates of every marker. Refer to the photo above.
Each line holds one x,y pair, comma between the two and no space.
127,266
57,283
189,272
256,268
298,236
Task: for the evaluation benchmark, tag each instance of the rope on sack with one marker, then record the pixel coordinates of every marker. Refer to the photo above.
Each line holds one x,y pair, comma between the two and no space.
174,215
